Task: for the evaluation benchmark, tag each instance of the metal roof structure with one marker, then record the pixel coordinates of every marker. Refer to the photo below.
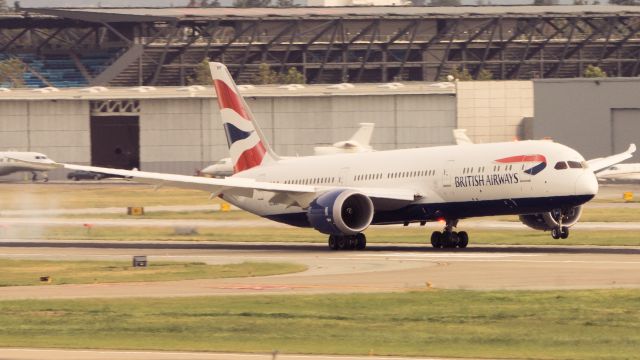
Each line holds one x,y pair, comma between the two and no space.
196,14
164,46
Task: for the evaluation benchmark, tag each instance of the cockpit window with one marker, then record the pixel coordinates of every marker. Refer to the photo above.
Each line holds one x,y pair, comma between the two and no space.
560,165
574,164
613,168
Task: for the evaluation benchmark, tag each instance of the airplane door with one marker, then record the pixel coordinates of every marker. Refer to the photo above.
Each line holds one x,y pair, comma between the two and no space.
446,174
343,178
525,179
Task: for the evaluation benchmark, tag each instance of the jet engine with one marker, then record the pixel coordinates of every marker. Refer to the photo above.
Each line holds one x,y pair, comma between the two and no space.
553,219
341,212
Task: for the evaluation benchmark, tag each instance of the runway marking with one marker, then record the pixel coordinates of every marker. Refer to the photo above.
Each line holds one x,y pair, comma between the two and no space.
210,355
454,255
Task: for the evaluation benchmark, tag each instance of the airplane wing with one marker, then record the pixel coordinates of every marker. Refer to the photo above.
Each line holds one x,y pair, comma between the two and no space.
602,163
37,166
285,194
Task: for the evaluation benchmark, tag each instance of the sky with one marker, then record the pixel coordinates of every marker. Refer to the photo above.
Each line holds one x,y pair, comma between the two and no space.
164,3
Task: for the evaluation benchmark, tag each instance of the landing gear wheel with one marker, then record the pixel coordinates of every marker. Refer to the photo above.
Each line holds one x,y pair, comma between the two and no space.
463,239
351,242
435,239
333,242
361,241
449,239
564,232
343,242
555,233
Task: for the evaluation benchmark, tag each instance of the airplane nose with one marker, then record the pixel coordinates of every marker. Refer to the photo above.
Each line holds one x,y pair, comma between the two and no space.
587,184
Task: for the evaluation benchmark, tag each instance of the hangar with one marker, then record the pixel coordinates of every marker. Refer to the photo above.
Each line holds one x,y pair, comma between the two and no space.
595,116
177,129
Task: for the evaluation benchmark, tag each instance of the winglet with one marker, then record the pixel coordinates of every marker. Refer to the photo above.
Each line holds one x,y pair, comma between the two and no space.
632,148
603,163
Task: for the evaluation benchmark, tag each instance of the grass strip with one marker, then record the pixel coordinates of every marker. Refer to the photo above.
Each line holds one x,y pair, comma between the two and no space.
68,196
601,324
28,272
391,234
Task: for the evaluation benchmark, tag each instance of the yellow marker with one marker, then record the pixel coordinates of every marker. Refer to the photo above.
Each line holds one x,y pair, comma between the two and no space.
135,210
627,196
224,207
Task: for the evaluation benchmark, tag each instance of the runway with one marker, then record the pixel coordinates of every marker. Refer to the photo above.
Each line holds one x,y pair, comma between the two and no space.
381,268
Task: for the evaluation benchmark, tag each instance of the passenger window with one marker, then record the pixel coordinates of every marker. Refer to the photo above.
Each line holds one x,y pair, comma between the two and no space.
574,164
560,165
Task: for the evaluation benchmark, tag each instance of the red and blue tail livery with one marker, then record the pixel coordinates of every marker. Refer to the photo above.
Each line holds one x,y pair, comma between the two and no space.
246,144
539,160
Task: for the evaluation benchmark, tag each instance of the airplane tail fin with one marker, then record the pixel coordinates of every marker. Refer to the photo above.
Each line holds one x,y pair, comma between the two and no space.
363,135
247,145
460,135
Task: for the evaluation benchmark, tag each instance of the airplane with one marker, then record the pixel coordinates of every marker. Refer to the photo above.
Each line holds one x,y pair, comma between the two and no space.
620,172
543,182
28,161
359,142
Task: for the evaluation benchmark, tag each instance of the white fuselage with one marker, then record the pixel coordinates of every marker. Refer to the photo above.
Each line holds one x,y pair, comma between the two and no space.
620,172
449,181
16,161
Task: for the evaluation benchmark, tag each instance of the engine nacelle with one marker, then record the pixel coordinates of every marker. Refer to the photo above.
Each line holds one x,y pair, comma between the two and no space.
553,219
341,212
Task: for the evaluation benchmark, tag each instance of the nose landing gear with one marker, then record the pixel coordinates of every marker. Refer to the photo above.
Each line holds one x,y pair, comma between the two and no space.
561,232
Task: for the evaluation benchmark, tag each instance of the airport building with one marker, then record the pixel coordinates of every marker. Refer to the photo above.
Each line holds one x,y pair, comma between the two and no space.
177,129
597,117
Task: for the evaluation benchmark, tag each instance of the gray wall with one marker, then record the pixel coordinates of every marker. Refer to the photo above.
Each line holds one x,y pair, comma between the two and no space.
596,117
181,135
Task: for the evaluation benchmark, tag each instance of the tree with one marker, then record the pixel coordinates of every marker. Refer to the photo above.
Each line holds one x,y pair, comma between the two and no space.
461,74
12,72
484,74
286,3
293,76
545,2
444,3
594,72
624,2
419,2
267,76
201,75
251,3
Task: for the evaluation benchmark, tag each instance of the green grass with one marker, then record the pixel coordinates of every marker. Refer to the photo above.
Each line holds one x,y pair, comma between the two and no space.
64,196
588,215
600,324
377,234
28,272
595,215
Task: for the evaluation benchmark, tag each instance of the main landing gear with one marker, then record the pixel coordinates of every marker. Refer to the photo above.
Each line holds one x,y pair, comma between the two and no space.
561,232
449,238
352,242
